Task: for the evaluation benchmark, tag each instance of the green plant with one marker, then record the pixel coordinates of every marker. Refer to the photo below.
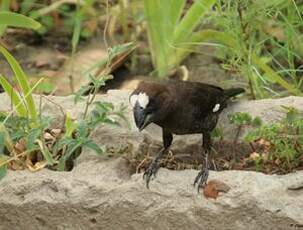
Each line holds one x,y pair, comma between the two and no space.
282,142
262,42
16,20
24,104
23,145
28,141
171,35
78,17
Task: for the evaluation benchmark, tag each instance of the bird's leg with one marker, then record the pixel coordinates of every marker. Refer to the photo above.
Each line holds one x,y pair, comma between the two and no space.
154,166
202,176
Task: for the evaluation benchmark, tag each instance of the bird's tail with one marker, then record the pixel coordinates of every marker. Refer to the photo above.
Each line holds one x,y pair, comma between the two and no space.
233,92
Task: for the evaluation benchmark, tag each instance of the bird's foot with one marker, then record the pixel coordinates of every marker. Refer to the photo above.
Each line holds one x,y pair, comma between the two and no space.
150,171
201,178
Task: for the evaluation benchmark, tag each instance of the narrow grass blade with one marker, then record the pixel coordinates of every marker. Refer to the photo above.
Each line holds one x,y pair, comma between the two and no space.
45,152
22,81
18,20
225,39
55,5
16,100
273,76
76,32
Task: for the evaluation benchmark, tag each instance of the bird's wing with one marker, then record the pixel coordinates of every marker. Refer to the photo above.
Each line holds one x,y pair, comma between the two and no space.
204,98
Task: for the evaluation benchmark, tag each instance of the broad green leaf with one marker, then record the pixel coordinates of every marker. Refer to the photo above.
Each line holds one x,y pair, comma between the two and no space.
22,81
192,19
16,100
176,9
158,39
32,137
4,6
18,20
167,31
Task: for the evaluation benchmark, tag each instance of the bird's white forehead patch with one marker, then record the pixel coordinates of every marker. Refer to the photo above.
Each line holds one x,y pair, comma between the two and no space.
133,99
142,99
216,108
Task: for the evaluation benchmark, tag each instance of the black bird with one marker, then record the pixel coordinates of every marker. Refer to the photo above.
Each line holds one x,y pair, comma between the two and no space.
180,108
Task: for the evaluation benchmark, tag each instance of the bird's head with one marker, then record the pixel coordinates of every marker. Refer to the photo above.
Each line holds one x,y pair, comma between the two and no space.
150,102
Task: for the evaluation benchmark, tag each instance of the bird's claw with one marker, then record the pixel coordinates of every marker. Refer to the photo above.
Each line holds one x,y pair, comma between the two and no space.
150,171
201,178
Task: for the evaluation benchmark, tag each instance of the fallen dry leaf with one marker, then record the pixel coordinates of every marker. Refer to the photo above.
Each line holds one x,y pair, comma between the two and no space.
47,136
254,156
35,167
20,146
213,187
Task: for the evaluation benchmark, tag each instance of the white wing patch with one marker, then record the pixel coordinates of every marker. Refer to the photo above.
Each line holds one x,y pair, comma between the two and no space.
216,108
142,99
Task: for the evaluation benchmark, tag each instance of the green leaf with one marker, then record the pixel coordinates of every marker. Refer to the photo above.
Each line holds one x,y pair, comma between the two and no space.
48,156
32,137
69,125
18,20
3,168
45,87
257,122
76,33
192,19
26,6
16,100
225,39
240,118
82,129
22,81
92,145
274,77
4,6
7,139
71,148
167,31
2,142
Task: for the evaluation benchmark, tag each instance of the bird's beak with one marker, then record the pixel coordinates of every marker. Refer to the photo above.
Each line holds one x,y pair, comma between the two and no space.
141,118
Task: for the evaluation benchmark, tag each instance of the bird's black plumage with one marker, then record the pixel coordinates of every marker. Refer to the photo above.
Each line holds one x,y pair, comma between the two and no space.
180,108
